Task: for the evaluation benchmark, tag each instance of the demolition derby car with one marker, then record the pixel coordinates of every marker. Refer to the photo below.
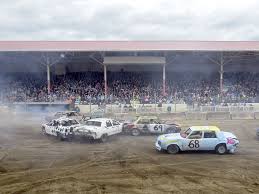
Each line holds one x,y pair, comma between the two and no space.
147,124
68,114
198,138
62,128
98,129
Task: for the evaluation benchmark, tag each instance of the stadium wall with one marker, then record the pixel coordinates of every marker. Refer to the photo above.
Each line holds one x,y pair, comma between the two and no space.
177,112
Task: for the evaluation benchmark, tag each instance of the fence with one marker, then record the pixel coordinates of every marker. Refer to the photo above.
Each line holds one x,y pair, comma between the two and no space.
242,108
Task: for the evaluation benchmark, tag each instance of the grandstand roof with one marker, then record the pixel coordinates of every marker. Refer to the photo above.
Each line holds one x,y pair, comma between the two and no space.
129,45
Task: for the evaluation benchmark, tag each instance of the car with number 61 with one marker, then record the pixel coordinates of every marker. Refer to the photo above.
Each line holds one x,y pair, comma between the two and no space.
150,124
198,138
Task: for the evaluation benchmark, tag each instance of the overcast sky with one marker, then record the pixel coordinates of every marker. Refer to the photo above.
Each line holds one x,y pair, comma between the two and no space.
129,20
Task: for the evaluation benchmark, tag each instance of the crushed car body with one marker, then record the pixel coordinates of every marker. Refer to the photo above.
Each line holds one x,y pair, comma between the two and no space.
62,128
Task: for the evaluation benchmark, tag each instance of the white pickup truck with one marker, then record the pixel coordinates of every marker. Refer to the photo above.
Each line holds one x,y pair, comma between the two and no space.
98,129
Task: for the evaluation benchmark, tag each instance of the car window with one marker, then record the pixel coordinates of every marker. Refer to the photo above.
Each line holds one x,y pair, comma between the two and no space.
209,134
55,123
65,123
74,122
157,122
50,123
188,131
143,121
108,124
115,122
195,135
154,121
93,123
69,114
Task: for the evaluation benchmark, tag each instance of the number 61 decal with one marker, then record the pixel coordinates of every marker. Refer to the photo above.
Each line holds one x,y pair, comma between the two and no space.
160,127
194,144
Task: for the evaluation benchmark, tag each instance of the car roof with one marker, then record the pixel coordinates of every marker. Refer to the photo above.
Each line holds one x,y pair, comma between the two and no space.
204,128
64,119
147,117
99,119
65,111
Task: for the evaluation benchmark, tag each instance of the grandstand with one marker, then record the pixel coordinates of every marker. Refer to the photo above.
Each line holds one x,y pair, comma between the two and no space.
187,74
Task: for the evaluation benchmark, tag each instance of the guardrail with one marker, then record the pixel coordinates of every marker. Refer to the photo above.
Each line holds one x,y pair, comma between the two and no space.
226,109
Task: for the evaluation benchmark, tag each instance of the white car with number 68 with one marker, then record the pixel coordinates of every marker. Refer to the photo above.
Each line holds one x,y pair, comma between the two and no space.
198,138
98,129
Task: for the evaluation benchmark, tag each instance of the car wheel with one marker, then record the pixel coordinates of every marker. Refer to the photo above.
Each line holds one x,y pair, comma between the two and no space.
59,137
135,132
171,130
221,149
104,138
70,138
173,149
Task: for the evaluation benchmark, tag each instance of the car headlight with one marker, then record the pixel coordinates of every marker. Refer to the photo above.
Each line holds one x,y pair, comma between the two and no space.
159,142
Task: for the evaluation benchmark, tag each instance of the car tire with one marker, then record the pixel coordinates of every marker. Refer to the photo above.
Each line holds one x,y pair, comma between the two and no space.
104,138
173,149
171,130
135,132
59,137
221,149
70,138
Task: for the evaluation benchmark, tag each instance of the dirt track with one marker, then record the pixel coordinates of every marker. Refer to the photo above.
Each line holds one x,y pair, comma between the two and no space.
33,163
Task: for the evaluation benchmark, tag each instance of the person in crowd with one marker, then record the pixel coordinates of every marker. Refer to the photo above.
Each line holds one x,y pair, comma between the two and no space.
123,87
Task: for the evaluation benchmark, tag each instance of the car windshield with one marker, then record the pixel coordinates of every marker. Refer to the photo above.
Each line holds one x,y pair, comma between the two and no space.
155,121
65,123
93,123
186,133
59,114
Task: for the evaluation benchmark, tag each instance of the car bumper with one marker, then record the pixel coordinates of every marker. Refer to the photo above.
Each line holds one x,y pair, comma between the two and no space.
158,147
85,135
232,149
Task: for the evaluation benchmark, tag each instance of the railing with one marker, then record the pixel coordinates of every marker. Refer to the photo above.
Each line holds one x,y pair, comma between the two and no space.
223,109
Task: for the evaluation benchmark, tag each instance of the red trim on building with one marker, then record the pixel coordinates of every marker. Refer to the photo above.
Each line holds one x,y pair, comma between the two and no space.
129,45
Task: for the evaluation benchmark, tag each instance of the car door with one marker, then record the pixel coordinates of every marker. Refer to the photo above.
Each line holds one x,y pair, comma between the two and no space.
156,127
117,126
143,124
209,140
109,127
193,141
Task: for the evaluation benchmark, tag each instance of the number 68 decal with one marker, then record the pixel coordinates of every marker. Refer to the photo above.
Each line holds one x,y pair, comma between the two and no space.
156,127
194,144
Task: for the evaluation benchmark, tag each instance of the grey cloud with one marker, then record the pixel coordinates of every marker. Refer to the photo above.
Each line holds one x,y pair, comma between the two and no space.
128,20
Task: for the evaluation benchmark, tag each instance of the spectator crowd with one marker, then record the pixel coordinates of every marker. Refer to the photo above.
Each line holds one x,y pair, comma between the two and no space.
124,87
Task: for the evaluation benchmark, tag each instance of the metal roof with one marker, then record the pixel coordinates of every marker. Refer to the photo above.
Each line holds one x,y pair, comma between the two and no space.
204,128
129,45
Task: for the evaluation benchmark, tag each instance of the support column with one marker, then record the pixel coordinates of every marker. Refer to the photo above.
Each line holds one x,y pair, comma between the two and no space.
163,79
221,78
221,74
48,77
105,81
